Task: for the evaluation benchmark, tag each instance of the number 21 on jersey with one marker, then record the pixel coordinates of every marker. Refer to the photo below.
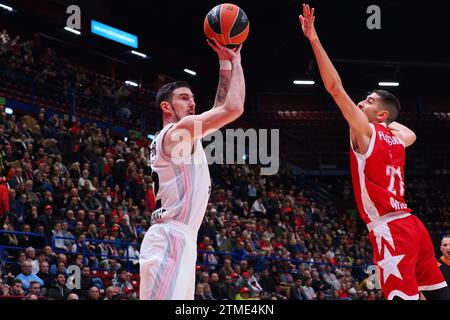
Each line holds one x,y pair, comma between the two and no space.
395,173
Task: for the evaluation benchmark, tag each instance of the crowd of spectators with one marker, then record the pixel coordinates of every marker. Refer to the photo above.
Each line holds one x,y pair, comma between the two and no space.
31,64
74,185
80,196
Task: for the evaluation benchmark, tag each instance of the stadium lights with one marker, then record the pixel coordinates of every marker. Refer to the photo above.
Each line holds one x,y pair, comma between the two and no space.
75,31
9,111
388,84
142,55
6,7
131,83
304,82
190,72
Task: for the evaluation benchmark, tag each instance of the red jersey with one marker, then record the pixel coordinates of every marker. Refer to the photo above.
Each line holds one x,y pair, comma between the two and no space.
378,175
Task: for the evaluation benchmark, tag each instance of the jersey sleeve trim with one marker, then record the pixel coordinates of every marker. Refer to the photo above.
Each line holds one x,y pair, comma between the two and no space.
160,144
371,144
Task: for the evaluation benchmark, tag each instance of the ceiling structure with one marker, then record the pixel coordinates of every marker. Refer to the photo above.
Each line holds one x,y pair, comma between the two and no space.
410,47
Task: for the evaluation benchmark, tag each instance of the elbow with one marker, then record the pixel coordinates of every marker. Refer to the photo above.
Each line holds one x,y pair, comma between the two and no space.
335,88
236,109
413,137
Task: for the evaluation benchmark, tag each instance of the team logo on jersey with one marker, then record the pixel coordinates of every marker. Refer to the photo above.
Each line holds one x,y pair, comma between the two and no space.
152,151
157,215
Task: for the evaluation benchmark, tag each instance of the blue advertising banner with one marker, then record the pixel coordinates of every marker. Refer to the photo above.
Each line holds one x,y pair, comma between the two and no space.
114,34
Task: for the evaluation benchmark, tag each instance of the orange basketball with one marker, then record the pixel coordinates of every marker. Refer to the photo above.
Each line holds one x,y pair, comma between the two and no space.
228,24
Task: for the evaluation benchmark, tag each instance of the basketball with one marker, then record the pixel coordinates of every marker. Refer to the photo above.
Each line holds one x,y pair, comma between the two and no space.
228,24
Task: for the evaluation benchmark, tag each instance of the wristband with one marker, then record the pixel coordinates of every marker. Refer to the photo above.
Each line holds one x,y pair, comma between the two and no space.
225,65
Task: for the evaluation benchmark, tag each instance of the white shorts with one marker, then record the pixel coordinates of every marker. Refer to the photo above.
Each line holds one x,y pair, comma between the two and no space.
167,262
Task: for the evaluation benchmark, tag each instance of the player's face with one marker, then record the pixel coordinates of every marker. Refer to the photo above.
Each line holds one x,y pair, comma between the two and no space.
445,247
372,108
182,103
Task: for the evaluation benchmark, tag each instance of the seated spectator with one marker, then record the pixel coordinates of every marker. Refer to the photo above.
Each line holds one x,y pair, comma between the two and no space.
86,283
296,290
93,293
307,291
244,294
72,296
121,280
60,265
214,284
226,270
35,288
26,276
16,289
228,289
330,278
47,220
111,292
210,259
58,237
26,240
267,281
45,275
16,267
258,208
223,241
200,292
8,239
31,296
50,256
59,291
84,182
30,253
255,286
207,291
67,234
133,252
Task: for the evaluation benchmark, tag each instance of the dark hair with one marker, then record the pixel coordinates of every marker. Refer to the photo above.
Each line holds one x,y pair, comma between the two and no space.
391,103
165,92
120,270
60,273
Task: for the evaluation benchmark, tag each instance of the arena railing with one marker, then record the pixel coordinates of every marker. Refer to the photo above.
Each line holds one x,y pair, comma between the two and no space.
73,99
18,248
261,261
81,248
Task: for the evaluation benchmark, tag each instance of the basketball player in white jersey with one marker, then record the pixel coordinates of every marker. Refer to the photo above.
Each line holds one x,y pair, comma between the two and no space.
181,179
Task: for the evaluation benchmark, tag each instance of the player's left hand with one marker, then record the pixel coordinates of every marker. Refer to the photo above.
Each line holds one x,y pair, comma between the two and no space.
307,22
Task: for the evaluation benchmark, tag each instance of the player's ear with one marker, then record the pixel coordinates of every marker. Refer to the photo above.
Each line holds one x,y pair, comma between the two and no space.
383,116
165,107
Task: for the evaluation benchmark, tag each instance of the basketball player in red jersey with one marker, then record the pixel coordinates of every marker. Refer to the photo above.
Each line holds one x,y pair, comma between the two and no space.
403,251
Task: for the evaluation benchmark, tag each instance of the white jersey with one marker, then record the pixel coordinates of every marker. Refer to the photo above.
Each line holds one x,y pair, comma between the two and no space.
181,190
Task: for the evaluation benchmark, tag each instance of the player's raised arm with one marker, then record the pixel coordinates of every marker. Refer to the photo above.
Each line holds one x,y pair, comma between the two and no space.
357,120
404,133
224,71
231,109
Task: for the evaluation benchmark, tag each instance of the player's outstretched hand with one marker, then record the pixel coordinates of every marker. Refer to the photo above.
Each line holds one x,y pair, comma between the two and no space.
225,53
307,22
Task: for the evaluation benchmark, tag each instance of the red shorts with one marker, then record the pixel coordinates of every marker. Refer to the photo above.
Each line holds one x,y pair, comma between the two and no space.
404,255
